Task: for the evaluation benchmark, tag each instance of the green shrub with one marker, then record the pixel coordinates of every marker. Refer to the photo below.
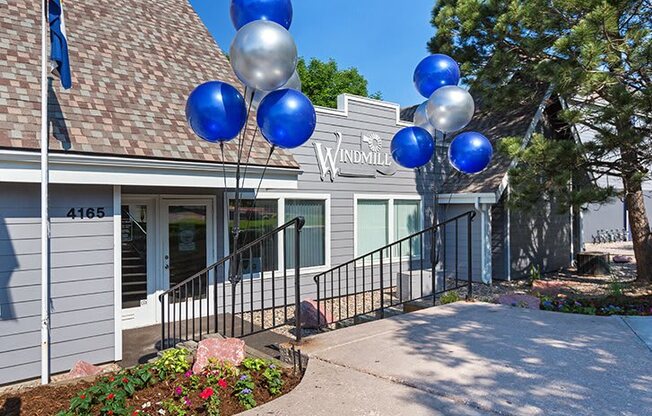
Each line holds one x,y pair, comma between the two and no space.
172,361
449,297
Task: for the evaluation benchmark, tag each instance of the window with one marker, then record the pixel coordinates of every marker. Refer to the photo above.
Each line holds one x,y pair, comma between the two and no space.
373,232
406,223
384,221
313,234
255,221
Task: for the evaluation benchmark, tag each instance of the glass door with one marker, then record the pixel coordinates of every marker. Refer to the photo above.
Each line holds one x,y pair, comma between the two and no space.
138,271
187,244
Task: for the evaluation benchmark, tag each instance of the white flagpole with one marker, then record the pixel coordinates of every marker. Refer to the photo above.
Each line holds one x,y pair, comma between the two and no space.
45,218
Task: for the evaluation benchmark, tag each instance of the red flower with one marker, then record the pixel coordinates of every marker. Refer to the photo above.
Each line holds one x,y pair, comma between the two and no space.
110,396
111,378
135,413
82,396
222,383
125,380
110,412
208,392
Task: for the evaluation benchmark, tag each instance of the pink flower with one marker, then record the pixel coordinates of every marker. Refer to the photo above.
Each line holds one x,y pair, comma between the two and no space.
188,374
208,392
178,391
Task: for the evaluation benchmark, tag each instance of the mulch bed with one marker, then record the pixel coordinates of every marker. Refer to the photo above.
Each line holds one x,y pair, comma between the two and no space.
51,399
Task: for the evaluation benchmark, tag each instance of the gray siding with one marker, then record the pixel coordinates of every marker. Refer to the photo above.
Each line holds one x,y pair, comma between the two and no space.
450,211
82,310
499,240
540,237
363,118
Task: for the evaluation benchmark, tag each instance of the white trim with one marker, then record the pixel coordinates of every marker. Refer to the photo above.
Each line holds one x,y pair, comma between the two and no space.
117,271
148,314
41,174
280,198
508,239
390,199
466,198
485,248
22,166
343,107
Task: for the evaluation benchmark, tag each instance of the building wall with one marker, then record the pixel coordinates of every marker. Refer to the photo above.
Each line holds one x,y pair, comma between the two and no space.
499,240
451,211
364,117
540,237
82,286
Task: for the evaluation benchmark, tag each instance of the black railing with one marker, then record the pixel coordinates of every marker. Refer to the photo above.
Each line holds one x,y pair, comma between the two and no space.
419,267
242,294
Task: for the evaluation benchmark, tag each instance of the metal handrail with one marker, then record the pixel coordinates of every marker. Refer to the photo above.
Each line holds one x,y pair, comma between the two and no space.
175,300
135,220
376,275
298,221
470,214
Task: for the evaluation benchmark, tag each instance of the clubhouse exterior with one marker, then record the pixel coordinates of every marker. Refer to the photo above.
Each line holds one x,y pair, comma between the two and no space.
138,203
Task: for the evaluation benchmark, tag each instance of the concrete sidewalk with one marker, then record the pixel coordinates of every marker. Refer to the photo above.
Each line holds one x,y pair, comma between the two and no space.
470,359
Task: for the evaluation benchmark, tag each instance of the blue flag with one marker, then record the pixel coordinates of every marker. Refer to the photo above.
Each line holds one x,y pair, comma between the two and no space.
60,61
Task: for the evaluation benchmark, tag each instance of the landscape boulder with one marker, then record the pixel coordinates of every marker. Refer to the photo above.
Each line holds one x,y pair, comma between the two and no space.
230,350
312,317
622,259
82,369
520,301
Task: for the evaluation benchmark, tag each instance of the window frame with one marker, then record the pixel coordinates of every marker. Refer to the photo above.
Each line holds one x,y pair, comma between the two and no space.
280,198
391,218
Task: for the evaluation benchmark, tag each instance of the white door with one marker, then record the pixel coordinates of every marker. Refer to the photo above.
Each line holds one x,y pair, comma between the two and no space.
139,283
188,239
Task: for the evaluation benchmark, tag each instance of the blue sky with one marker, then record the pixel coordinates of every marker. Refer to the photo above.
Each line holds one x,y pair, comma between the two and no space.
384,39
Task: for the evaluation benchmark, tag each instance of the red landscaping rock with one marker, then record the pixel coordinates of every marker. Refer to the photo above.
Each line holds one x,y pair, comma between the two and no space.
82,369
229,350
310,313
521,301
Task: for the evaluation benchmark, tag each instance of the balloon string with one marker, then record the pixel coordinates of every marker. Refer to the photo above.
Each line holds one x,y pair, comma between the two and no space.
251,145
262,175
223,165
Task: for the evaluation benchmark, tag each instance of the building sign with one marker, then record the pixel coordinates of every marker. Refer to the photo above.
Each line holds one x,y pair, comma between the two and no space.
365,159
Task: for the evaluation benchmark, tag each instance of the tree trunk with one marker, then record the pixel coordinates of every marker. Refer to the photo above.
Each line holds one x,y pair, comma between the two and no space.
640,227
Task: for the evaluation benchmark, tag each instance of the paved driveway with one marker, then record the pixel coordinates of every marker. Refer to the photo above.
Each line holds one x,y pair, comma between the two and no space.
475,359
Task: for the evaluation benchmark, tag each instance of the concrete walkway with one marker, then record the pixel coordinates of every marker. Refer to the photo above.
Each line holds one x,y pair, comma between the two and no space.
475,359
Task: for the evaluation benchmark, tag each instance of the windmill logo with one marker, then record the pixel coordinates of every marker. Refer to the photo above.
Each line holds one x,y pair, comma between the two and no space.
374,141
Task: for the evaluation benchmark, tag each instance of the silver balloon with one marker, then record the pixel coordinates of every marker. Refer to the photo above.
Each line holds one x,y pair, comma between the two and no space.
450,108
421,119
263,55
256,96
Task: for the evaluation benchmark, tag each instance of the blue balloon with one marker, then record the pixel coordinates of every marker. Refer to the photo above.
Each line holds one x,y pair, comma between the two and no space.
470,152
216,111
286,118
434,72
412,147
246,11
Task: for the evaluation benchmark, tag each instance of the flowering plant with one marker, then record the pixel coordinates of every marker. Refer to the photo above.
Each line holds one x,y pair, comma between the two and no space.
244,391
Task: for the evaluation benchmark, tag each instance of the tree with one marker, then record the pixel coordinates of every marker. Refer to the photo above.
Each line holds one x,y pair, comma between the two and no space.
597,56
322,82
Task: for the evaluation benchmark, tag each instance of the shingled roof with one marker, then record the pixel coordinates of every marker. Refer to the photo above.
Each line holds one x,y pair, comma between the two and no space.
494,124
133,64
